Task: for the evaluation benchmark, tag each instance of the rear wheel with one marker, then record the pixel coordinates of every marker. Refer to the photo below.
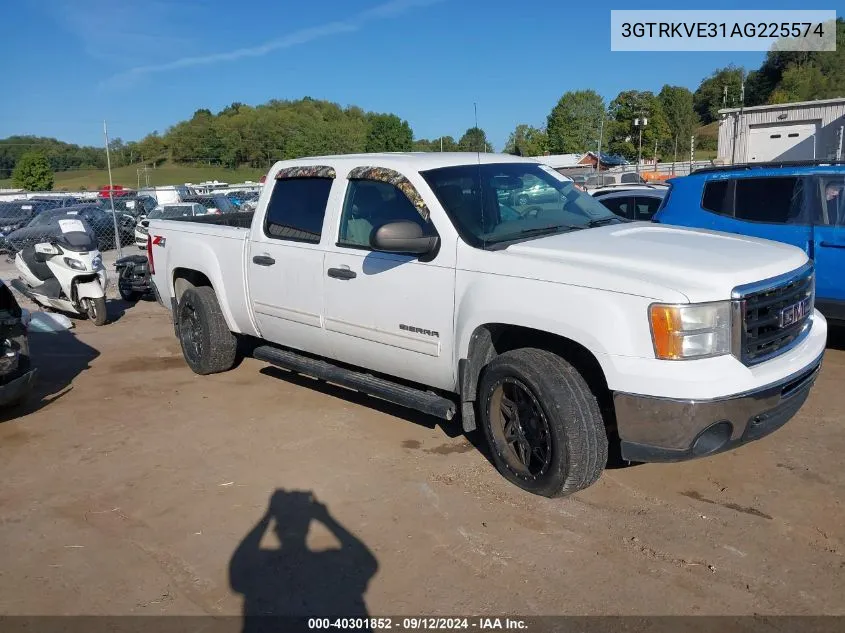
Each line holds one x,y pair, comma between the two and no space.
96,310
542,422
207,344
131,296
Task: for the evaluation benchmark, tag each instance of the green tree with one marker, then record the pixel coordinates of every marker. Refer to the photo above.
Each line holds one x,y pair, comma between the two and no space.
573,124
623,135
799,75
474,140
526,140
388,133
33,172
150,147
709,97
446,143
677,105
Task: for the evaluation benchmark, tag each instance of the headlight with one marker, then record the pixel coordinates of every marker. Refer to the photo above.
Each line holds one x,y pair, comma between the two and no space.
681,332
75,264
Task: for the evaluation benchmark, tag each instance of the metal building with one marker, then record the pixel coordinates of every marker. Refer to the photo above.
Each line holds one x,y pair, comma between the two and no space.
787,131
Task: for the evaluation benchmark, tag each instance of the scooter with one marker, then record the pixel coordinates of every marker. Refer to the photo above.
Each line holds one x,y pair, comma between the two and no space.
65,273
133,277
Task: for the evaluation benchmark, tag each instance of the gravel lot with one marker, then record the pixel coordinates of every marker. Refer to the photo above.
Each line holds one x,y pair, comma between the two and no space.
132,486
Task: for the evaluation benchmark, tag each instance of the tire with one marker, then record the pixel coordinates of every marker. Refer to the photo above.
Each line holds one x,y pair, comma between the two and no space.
96,310
207,344
569,451
129,295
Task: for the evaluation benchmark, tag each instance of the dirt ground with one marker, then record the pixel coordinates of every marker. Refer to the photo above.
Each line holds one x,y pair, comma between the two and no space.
132,486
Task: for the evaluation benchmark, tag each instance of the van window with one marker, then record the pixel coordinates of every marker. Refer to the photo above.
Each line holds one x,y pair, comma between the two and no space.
629,178
296,209
833,201
715,197
769,200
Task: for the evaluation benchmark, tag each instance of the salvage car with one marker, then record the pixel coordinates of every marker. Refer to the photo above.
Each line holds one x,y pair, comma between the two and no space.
46,224
16,372
638,204
406,277
166,211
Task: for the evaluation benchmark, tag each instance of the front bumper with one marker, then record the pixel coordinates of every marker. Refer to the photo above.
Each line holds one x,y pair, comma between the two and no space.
653,429
15,390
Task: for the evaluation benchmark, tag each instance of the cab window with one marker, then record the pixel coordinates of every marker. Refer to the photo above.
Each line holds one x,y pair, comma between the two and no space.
369,204
297,208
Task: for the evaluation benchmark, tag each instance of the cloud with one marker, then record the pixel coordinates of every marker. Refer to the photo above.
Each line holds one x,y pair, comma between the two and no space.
387,10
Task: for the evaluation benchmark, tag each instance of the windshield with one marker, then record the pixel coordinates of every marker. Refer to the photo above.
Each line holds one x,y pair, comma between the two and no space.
495,203
16,210
53,216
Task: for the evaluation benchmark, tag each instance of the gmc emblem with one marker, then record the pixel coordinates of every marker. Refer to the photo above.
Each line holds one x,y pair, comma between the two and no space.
794,313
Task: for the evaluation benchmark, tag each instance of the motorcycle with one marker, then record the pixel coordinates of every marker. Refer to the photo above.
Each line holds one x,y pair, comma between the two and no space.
66,273
133,277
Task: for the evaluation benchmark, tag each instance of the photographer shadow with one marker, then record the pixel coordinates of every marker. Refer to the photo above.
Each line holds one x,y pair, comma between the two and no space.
292,580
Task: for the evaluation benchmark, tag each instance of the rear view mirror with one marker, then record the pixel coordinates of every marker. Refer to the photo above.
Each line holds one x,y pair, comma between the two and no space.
403,237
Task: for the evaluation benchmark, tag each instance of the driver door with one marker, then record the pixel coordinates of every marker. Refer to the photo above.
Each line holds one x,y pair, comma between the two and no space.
391,313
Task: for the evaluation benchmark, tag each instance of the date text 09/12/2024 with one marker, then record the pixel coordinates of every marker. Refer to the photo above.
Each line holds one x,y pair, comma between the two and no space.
418,624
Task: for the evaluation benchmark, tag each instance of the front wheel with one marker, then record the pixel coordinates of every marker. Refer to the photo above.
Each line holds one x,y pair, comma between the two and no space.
96,310
542,422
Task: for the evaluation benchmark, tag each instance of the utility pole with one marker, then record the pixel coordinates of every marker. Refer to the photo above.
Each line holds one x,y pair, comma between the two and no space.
640,123
441,144
601,135
111,192
691,152
655,155
675,154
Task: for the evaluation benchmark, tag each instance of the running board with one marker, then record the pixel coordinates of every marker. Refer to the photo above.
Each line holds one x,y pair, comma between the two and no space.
424,401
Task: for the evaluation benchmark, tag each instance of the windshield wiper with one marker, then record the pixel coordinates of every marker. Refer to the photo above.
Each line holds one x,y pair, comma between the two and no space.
599,222
541,230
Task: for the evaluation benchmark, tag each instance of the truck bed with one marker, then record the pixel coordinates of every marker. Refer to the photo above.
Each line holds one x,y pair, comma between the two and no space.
240,220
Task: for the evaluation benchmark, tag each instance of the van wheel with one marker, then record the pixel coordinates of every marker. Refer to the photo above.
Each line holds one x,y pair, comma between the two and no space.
542,422
207,344
96,310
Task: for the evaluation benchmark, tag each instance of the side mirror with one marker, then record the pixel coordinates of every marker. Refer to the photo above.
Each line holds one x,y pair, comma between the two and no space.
403,237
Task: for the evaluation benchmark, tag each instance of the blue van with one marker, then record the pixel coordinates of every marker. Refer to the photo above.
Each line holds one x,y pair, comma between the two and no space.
802,204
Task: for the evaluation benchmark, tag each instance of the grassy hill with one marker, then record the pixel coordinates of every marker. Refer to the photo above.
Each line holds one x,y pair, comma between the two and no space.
164,174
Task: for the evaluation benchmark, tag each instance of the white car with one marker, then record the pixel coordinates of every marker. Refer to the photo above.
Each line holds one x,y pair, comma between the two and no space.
552,327
168,211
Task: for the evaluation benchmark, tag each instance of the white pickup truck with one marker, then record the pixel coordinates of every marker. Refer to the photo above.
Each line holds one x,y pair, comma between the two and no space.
429,280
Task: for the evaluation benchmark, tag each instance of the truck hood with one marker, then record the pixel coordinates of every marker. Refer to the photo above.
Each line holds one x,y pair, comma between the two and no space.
653,260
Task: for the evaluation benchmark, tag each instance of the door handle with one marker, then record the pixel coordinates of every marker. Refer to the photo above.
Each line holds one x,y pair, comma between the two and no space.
263,260
342,273
831,245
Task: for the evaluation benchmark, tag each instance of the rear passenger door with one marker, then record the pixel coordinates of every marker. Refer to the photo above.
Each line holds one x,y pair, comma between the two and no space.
285,264
770,207
388,312
828,197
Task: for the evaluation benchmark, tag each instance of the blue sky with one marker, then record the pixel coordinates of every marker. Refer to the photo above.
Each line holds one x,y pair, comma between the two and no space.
145,65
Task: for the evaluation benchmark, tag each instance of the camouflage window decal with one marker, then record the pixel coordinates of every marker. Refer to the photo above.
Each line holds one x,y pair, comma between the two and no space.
383,174
307,171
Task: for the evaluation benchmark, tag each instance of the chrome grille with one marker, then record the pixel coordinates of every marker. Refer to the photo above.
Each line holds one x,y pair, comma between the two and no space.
773,315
